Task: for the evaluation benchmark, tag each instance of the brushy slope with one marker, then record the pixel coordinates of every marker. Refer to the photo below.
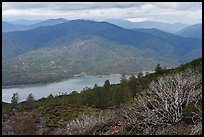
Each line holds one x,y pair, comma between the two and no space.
166,102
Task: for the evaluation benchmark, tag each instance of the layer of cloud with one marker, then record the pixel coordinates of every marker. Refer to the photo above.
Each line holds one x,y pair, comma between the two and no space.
182,12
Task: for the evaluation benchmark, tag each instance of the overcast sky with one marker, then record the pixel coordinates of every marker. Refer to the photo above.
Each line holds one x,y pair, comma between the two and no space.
171,12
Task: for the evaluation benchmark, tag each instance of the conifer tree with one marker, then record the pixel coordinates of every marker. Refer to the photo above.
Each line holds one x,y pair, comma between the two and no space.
30,99
158,68
15,100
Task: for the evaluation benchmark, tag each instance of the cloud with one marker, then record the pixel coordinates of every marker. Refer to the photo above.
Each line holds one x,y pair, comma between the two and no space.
183,12
69,5
179,5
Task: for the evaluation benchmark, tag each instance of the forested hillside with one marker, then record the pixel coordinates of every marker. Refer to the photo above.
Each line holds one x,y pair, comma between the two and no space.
44,54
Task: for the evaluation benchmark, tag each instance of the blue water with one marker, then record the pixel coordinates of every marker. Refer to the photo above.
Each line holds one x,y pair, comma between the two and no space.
39,91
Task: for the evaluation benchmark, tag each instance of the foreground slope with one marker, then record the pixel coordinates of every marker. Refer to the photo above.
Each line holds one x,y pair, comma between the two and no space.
125,108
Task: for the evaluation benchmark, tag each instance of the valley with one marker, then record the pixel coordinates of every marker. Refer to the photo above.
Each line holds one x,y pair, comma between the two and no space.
101,68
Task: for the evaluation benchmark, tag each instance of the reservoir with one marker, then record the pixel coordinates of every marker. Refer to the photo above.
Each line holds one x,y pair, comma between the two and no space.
57,88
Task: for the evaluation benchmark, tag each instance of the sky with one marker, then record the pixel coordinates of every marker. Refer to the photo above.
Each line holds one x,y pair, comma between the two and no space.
170,12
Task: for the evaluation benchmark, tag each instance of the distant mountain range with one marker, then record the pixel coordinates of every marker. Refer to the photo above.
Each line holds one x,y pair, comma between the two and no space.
59,51
168,27
194,31
13,26
24,22
181,43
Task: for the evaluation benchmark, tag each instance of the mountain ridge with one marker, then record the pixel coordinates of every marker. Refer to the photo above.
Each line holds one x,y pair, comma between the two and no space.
88,46
194,31
11,26
169,27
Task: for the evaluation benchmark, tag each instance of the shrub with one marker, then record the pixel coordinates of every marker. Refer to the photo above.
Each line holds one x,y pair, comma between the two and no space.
163,103
85,124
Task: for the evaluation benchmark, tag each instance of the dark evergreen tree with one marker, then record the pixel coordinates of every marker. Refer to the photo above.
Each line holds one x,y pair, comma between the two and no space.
147,73
123,79
106,84
140,74
74,93
15,100
132,78
30,100
95,86
132,82
158,68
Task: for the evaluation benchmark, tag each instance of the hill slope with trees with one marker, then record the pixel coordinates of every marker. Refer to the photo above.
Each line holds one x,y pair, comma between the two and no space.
43,54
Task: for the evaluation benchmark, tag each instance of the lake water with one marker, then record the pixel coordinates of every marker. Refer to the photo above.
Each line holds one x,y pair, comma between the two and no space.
39,91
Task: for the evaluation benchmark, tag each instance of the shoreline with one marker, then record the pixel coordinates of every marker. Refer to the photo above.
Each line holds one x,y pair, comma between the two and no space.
37,84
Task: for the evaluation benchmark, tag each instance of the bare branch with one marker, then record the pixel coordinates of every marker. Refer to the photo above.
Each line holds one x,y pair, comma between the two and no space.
163,103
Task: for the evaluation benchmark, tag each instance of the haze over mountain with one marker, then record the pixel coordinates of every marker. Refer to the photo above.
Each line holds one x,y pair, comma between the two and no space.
183,44
8,27
62,50
148,24
194,31
24,22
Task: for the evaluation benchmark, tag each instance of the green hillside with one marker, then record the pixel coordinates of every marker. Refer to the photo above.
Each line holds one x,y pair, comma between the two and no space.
93,55
56,52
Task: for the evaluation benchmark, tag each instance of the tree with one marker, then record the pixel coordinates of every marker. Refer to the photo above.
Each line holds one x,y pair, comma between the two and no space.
95,86
158,68
106,84
50,96
122,94
132,78
140,74
132,83
123,79
30,99
50,99
74,93
15,100
147,73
